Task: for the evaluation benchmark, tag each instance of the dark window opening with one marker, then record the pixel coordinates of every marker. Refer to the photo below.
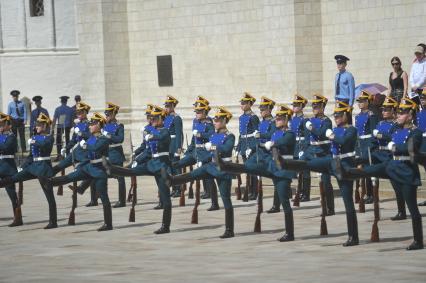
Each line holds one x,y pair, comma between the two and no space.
165,70
36,8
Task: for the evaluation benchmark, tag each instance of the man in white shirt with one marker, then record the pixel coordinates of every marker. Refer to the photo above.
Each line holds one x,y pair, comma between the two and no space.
418,70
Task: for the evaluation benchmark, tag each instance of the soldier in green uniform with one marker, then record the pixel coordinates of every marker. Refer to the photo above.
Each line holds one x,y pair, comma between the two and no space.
95,148
221,141
38,165
8,147
158,145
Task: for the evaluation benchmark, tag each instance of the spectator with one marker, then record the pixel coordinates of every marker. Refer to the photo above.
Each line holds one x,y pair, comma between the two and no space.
344,82
17,110
63,119
398,80
418,72
77,99
36,112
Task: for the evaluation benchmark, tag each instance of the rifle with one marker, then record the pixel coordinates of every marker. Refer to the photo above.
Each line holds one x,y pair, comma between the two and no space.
21,184
71,218
239,182
191,185
133,187
296,200
257,223
357,197
182,191
60,191
361,199
375,227
323,230
248,184
194,219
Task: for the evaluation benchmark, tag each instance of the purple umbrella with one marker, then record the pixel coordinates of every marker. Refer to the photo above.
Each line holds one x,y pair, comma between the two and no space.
373,88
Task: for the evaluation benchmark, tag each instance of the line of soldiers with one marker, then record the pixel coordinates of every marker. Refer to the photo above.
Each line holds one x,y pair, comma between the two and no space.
281,148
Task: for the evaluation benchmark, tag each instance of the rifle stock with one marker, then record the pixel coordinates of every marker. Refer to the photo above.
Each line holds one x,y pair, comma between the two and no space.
239,182
296,200
71,218
194,219
257,223
60,191
182,191
323,230
357,191
245,196
133,188
375,229
191,186
21,193
361,199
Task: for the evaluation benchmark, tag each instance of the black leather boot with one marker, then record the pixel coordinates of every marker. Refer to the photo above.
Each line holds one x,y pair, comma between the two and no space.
121,194
176,180
207,185
253,187
422,203
293,165
53,223
306,189
215,203
17,217
93,197
229,224
352,230
289,228
417,244
55,181
402,214
56,169
114,170
230,167
355,173
275,205
329,199
159,205
167,218
107,218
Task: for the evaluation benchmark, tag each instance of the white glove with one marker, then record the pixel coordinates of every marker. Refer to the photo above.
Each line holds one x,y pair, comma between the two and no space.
375,132
256,134
199,164
134,164
76,130
148,137
391,145
76,121
308,125
30,141
300,154
63,152
328,133
195,132
208,146
269,144
248,152
19,169
236,153
82,143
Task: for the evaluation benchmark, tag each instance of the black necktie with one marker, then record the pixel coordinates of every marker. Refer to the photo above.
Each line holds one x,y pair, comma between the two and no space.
338,85
17,109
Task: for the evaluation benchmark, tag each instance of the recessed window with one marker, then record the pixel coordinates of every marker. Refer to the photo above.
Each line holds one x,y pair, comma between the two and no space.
36,8
165,70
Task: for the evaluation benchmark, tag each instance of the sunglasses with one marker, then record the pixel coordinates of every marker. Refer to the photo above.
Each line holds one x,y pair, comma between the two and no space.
396,64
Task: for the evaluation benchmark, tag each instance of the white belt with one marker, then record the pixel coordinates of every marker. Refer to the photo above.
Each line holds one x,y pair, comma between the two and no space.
226,159
199,145
424,134
172,136
94,161
383,148
115,145
287,156
401,158
6,156
300,138
319,142
365,136
344,155
156,155
249,135
41,158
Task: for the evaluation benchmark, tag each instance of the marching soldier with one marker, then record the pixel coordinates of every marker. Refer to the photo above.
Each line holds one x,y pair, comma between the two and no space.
221,141
38,165
297,125
403,173
158,143
248,125
8,149
319,146
114,131
173,122
421,124
284,140
36,112
365,122
202,129
96,148
77,153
